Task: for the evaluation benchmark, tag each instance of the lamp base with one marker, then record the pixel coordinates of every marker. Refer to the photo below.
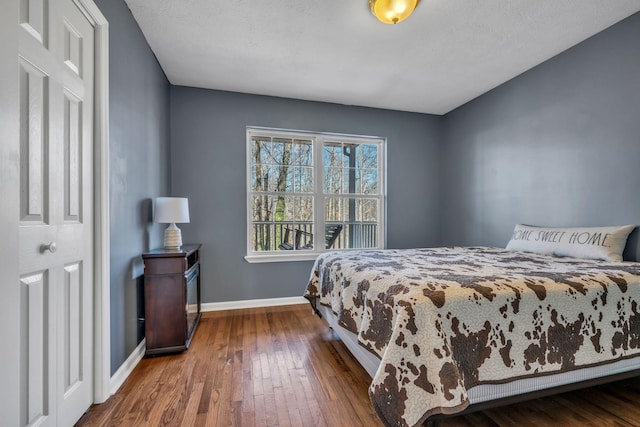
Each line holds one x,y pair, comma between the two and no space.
172,237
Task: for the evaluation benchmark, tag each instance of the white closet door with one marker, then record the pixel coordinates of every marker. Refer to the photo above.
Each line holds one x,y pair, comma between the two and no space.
56,219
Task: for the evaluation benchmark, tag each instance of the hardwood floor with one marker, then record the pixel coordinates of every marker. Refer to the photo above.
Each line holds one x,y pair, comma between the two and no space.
282,366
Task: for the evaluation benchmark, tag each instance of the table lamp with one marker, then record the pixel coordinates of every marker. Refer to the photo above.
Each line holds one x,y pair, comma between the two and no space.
171,210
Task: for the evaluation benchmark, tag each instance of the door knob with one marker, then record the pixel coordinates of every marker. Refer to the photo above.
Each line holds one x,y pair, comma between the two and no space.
51,247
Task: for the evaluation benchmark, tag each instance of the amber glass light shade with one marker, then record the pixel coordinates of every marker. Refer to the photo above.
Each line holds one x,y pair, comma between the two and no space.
392,11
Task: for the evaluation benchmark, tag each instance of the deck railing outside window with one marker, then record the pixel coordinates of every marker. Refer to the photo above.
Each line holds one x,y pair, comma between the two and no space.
270,237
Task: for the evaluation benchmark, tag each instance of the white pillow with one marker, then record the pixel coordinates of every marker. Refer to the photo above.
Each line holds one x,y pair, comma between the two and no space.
606,243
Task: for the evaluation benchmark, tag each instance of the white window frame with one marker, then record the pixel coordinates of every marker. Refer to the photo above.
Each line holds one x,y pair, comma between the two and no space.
318,139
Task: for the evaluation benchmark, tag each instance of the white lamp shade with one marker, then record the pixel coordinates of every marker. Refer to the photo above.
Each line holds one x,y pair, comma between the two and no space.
170,210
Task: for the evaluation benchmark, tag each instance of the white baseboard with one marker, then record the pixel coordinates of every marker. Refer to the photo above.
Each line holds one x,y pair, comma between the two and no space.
127,367
252,303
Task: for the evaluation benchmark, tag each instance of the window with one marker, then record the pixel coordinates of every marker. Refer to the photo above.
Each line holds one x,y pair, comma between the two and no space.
309,193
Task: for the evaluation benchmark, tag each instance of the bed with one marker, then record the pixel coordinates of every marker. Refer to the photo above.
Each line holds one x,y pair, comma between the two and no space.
443,328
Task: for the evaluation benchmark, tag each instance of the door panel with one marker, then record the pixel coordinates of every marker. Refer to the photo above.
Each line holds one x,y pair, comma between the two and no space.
73,324
34,19
34,90
36,346
72,157
73,48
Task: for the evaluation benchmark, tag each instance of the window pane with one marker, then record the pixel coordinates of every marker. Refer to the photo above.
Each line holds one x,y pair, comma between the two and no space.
350,168
266,236
334,155
292,237
357,236
281,151
281,219
333,181
256,173
281,236
350,152
259,149
303,209
302,153
290,208
270,178
359,218
351,209
274,165
367,156
261,209
366,210
303,179
350,181
298,236
259,174
283,208
363,236
368,181
334,209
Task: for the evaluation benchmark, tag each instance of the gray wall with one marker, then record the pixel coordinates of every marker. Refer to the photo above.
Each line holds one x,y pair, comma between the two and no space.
557,146
140,169
208,143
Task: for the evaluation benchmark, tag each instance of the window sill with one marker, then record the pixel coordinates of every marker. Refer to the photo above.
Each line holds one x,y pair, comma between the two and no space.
306,256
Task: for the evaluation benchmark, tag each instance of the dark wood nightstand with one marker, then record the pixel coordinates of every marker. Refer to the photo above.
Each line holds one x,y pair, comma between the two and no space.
171,298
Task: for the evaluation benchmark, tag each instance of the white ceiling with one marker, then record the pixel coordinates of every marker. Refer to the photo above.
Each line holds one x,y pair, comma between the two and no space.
444,55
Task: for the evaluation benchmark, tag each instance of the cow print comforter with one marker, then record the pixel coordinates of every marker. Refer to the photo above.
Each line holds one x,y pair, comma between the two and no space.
444,320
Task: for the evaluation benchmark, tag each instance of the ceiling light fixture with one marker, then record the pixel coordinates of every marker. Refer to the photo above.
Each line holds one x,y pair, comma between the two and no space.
392,11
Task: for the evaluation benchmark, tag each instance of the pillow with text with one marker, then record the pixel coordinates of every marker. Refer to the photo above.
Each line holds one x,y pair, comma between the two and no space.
606,243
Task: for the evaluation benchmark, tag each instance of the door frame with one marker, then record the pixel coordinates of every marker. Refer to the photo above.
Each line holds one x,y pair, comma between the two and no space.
102,291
